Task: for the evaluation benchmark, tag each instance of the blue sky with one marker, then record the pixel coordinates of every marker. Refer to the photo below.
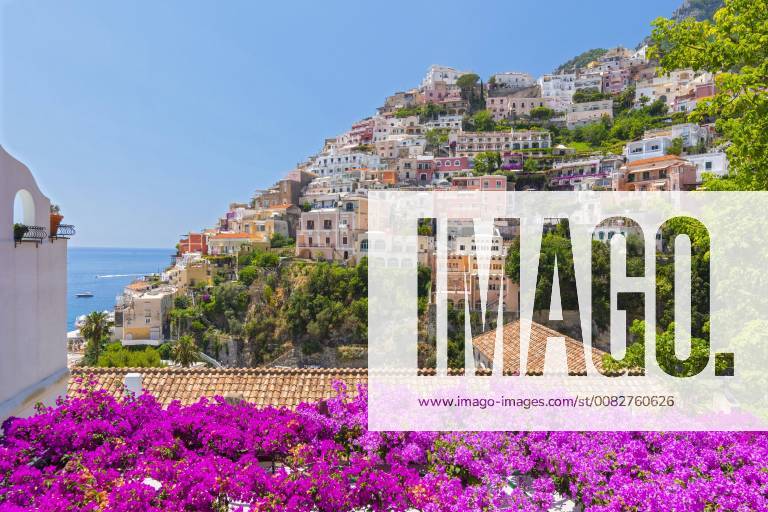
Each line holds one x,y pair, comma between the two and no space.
145,119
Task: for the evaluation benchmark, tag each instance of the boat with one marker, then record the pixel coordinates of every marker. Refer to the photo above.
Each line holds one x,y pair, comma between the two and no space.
84,295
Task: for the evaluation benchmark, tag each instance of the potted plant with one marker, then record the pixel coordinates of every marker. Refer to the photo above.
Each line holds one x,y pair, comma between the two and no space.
19,230
56,218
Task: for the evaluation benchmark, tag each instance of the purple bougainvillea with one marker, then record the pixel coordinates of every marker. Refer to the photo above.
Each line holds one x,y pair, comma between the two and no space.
92,452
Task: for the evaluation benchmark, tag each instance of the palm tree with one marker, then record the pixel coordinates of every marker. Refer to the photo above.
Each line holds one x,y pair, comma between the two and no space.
94,330
185,351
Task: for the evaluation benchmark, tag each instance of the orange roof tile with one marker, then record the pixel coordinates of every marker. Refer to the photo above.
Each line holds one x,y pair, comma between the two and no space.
486,342
666,159
221,236
279,387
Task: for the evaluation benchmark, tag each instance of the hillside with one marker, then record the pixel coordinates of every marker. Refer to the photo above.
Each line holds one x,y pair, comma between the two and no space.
699,9
581,60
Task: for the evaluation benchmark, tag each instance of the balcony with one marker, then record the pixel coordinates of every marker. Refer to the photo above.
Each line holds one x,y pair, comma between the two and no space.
64,232
28,234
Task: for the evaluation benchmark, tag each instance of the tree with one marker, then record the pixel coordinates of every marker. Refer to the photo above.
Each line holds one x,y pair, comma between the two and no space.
542,113
467,82
530,165
185,351
95,330
483,121
486,162
280,240
677,147
733,47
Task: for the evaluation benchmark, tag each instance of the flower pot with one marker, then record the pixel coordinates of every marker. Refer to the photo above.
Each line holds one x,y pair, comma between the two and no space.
19,230
56,219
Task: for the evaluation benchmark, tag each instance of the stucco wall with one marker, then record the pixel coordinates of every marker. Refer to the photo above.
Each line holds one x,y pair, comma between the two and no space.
33,287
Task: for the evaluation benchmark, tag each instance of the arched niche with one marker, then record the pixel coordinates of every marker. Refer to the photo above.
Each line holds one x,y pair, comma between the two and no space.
24,208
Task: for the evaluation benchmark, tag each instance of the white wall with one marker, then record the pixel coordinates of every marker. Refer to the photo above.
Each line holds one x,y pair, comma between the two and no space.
33,288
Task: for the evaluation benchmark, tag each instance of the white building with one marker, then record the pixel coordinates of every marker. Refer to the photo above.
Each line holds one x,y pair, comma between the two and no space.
647,148
336,162
560,87
711,163
691,133
513,80
580,114
452,122
443,74
33,291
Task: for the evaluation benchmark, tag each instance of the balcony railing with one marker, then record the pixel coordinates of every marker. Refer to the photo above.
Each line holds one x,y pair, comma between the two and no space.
34,234
65,231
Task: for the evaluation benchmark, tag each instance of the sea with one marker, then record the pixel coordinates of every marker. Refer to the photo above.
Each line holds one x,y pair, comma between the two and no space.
105,272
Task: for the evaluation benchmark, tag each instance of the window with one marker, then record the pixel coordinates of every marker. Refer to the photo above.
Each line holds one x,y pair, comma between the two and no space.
310,224
457,162
327,241
344,240
708,166
327,224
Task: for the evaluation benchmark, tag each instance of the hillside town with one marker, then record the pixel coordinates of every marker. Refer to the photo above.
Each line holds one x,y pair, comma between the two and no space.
609,123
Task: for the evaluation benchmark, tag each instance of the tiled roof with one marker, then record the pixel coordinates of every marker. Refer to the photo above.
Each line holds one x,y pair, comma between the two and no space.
263,386
486,342
657,161
220,236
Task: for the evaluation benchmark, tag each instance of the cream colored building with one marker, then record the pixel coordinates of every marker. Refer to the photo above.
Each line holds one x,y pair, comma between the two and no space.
143,316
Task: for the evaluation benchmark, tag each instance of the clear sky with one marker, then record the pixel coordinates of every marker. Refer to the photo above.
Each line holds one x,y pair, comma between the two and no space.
145,119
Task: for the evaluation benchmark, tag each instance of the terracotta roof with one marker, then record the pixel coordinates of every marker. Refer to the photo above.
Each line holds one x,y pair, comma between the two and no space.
486,342
263,386
656,161
233,236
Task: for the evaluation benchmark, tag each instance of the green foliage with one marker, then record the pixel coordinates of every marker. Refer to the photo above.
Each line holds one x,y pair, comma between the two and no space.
467,81
587,95
425,227
117,356
735,47
677,147
181,302
329,303
482,121
486,162
425,112
542,113
530,165
279,240
581,60
95,331
184,351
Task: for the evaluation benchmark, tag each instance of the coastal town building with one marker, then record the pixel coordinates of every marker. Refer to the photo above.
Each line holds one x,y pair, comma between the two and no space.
558,87
337,161
512,80
194,242
227,244
668,172
33,290
470,143
580,114
585,174
142,316
715,163
488,182
443,74
337,233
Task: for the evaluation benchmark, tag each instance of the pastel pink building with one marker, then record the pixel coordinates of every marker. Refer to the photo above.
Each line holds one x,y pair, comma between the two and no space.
487,182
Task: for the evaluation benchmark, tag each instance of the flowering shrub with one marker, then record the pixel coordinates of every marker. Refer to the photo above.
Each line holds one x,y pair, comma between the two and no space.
93,452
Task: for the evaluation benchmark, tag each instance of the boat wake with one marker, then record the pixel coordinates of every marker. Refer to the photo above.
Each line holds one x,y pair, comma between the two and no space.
110,276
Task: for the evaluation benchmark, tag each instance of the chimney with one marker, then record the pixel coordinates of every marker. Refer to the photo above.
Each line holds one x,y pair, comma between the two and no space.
133,383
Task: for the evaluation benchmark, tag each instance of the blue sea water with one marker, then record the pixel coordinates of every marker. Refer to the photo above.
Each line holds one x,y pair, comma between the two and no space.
105,272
